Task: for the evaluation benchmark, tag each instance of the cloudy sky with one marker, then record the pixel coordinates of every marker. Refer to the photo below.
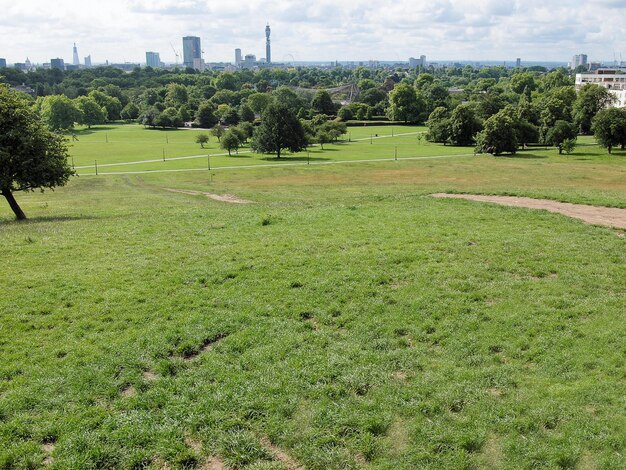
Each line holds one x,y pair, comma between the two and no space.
122,30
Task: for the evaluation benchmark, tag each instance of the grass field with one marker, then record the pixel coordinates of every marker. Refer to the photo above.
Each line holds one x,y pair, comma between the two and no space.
346,319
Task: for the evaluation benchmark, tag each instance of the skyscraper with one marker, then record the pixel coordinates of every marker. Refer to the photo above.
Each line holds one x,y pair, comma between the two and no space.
518,63
88,61
75,60
578,60
153,59
57,64
3,62
191,50
238,58
268,47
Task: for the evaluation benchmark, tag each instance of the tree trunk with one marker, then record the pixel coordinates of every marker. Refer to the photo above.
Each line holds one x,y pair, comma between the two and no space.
610,148
278,153
19,213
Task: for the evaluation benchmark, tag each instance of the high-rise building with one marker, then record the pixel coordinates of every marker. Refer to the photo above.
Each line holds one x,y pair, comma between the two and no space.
249,61
153,59
238,58
191,50
268,47
578,60
88,61
518,63
3,62
75,60
57,64
415,63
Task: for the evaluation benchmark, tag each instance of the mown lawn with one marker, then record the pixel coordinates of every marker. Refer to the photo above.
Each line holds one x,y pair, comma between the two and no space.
346,317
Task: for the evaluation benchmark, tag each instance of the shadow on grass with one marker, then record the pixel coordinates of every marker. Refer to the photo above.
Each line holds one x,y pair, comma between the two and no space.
237,155
522,156
294,159
44,219
93,130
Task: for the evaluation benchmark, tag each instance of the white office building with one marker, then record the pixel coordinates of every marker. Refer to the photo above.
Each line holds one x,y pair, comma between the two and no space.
612,79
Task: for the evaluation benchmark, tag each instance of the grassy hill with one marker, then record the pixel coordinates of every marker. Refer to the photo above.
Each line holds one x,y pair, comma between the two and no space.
345,319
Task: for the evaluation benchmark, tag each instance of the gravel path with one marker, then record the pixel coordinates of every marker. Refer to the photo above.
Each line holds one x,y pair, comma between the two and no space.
596,215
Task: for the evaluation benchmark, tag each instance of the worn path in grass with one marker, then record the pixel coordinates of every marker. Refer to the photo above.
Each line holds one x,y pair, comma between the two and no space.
596,215
217,197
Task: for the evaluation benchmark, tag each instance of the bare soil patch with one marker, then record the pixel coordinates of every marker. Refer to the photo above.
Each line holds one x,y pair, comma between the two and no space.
596,215
213,463
217,197
129,391
281,456
150,376
48,448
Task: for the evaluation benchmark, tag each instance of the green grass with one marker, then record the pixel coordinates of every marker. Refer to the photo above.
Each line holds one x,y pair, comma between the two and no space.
352,319
133,144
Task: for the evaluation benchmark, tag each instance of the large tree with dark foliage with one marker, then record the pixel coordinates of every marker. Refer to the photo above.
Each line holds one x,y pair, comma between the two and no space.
31,156
609,128
279,129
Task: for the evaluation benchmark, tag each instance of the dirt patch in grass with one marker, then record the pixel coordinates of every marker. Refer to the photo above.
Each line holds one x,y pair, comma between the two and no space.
48,448
492,456
129,391
213,463
281,456
398,437
194,444
217,197
149,376
399,374
596,215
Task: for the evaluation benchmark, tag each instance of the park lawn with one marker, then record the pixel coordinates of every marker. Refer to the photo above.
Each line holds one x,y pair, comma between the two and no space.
125,143
346,316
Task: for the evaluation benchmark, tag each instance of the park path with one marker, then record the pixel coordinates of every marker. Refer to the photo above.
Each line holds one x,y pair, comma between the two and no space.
595,215
217,197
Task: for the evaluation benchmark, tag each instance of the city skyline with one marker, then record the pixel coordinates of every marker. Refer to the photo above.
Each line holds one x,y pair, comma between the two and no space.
326,31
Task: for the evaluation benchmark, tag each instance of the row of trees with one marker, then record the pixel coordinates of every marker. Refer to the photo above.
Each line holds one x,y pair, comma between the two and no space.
555,117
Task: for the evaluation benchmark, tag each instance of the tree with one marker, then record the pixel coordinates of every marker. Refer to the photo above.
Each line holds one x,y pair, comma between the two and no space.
218,131
31,156
464,125
202,139
439,126
498,136
591,99
280,129
169,118
149,116
92,112
259,101
609,128
245,113
247,130
322,103
112,104
561,132
322,137
130,112
60,112
230,116
345,114
205,116
230,141
568,145
403,104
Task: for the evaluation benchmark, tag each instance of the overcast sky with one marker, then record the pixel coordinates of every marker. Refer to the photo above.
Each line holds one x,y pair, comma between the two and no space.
123,30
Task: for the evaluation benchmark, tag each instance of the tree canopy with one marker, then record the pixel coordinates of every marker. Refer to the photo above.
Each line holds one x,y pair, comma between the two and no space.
280,129
31,156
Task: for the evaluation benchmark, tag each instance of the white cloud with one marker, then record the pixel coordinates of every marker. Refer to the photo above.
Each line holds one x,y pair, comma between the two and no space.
323,30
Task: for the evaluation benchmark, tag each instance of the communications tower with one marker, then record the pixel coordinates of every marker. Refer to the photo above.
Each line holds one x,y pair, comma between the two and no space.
268,47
